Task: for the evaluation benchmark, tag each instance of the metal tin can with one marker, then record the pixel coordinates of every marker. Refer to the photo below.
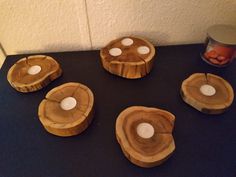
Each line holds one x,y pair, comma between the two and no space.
220,45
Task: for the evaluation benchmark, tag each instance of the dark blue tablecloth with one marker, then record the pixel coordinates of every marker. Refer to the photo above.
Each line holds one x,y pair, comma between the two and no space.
205,144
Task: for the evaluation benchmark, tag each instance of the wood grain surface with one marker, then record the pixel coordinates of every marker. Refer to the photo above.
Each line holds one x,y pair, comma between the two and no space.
22,81
130,64
67,122
215,104
145,152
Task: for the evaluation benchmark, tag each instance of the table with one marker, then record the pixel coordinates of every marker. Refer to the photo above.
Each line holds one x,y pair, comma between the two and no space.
205,144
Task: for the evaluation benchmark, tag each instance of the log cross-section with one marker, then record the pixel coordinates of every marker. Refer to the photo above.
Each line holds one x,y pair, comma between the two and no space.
33,73
128,57
207,93
145,135
67,110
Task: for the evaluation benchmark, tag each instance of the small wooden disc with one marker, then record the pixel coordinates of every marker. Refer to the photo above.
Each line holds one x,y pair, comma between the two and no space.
207,93
67,110
128,57
145,135
33,73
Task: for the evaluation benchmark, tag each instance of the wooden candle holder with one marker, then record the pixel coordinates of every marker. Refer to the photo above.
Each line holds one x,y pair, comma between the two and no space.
67,110
128,57
145,135
207,93
33,73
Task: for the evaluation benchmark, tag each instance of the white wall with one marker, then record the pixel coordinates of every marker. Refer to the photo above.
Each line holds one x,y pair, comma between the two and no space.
28,26
163,22
2,56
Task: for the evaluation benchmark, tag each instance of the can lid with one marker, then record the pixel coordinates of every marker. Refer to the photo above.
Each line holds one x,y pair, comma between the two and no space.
225,34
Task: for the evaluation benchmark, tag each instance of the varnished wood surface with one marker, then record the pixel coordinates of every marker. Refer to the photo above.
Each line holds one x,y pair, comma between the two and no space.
215,104
146,152
67,122
130,64
24,82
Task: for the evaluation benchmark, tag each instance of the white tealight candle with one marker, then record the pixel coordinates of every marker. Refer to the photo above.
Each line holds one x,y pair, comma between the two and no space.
127,42
145,130
207,90
115,52
34,69
68,103
143,50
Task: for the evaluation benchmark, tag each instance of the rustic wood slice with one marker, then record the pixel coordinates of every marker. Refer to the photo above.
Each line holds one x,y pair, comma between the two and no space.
33,73
207,93
145,135
128,57
67,110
